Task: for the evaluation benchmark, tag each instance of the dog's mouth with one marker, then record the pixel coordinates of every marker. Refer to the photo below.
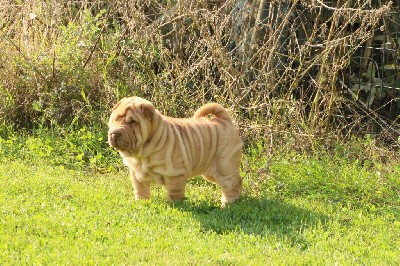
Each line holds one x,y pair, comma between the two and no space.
117,144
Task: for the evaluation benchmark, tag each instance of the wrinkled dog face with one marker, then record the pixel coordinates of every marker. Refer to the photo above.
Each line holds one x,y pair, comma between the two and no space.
130,124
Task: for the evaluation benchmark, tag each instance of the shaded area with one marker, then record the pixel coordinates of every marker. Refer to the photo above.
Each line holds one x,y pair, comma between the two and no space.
256,217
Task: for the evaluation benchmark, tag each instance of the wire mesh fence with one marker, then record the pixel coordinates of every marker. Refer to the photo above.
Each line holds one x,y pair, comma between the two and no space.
375,71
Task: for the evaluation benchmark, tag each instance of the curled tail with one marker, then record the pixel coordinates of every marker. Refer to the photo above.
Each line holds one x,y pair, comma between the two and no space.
213,109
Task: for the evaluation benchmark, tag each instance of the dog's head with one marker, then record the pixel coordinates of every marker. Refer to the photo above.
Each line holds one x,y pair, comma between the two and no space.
130,124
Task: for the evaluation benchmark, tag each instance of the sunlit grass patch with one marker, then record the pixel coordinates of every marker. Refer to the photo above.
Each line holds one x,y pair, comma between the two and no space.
53,214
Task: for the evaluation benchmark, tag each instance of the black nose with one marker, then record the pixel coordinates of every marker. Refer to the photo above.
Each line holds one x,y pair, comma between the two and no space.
114,136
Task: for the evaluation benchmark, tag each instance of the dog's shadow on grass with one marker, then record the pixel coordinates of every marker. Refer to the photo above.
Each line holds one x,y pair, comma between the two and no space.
255,216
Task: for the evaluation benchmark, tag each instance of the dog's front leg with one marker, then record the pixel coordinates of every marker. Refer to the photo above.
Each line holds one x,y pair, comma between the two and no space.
140,189
175,187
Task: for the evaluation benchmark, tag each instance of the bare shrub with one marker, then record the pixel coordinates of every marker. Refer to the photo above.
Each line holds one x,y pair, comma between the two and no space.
277,64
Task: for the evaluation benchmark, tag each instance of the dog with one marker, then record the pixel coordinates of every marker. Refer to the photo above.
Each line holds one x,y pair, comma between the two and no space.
168,151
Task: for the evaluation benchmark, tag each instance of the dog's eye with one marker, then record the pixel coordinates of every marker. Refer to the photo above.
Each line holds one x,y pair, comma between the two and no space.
128,120
131,122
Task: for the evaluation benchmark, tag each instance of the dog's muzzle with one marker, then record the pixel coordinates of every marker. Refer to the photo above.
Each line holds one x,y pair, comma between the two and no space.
119,139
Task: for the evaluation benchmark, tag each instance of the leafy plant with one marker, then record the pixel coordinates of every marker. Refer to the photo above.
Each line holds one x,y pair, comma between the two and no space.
85,148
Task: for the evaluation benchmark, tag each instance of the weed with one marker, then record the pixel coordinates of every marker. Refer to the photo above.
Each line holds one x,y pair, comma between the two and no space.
276,66
80,149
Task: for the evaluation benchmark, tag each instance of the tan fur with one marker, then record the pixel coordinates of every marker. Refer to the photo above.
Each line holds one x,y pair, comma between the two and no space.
168,151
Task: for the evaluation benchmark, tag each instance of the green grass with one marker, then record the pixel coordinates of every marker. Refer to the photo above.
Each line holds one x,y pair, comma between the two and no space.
295,210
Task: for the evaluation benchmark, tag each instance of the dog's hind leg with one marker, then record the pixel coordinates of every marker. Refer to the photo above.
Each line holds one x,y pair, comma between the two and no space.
227,174
231,187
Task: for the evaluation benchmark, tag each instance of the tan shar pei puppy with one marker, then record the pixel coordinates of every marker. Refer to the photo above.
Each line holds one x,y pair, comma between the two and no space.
167,150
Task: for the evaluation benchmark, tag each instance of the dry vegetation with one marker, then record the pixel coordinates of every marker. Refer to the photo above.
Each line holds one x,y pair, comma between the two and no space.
284,67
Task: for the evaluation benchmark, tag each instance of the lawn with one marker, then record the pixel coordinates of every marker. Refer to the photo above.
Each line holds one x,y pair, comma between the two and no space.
295,210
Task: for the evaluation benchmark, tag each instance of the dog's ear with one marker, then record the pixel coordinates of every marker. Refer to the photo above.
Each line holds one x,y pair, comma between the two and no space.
148,110
116,106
